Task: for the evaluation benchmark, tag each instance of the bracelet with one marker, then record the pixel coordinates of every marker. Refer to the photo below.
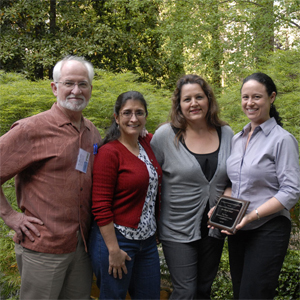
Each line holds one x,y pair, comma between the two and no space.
258,217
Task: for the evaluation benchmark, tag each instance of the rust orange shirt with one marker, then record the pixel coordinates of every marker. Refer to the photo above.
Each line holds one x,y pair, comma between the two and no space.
42,152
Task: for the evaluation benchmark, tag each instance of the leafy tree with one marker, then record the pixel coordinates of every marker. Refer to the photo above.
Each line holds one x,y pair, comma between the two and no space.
255,29
222,40
115,35
174,27
132,41
34,37
262,26
157,39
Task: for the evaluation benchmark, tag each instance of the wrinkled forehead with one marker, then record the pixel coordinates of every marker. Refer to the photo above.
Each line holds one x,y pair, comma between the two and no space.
74,70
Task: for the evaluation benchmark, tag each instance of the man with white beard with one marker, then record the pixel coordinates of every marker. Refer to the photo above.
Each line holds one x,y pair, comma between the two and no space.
51,154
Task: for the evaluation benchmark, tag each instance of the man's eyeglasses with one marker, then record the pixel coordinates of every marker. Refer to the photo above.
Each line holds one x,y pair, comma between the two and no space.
71,85
128,114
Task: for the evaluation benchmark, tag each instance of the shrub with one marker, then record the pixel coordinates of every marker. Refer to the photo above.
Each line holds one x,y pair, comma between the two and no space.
9,274
222,286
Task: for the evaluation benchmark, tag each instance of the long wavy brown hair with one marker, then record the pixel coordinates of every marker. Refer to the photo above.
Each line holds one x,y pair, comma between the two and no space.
176,116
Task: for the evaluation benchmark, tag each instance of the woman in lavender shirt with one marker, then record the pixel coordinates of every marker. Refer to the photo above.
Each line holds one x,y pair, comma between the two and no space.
264,169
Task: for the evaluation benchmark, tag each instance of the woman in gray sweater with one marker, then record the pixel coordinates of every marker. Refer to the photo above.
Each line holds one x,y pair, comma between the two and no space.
192,150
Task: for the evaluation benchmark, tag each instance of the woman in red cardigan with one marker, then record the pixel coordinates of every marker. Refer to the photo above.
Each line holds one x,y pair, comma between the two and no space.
126,189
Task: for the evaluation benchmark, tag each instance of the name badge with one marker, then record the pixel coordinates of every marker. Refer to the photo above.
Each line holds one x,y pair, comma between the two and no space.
82,161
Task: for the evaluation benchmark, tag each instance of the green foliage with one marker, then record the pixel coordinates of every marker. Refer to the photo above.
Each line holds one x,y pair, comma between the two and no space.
131,40
284,68
116,35
9,274
6,78
221,40
289,279
164,271
288,283
20,98
157,39
222,286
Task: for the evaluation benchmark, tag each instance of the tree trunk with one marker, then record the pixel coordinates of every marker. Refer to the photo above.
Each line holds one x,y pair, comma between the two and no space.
217,50
52,28
263,26
53,17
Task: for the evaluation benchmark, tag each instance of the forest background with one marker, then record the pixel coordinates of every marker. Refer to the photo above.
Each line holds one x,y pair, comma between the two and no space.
145,46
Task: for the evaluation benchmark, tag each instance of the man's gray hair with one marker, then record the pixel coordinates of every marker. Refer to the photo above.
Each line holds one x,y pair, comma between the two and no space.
87,64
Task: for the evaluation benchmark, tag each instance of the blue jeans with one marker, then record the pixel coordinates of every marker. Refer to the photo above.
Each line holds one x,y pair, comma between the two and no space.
143,278
94,250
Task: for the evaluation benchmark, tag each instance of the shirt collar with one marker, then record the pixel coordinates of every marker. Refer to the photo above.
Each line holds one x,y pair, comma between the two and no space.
62,119
265,127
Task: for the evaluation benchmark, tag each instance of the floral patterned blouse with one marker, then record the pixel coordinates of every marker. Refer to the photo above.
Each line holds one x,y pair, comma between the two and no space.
147,225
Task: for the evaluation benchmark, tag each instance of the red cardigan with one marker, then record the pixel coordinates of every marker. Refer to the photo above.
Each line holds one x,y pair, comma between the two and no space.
120,184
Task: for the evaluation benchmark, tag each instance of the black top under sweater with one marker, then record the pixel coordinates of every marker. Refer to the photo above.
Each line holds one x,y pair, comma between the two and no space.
208,163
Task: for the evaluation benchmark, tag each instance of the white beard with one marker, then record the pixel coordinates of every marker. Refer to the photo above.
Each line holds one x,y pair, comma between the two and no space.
73,105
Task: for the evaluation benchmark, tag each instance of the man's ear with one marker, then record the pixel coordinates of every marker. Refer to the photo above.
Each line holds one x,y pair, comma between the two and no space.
54,88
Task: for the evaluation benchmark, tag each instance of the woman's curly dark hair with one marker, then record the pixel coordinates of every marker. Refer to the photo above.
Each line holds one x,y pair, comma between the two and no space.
176,116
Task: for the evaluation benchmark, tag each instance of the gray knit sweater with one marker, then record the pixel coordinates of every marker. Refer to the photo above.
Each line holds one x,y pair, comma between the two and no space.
185,189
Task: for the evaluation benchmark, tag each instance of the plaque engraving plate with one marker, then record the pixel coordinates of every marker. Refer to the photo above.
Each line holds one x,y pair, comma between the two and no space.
228,213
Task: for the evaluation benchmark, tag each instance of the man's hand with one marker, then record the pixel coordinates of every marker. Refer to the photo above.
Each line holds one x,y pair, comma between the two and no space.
22,224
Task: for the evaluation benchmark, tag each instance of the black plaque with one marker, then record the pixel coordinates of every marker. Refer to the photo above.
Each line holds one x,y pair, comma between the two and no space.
228,213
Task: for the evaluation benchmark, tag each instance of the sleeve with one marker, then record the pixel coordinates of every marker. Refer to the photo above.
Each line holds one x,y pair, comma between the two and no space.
157,147
287,171
105,174
17,151
227,135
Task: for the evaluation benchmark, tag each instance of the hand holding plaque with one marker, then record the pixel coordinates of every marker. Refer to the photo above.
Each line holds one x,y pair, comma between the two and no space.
228,213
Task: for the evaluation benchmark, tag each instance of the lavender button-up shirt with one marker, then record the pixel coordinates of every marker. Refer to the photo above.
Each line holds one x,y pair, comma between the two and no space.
268,167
